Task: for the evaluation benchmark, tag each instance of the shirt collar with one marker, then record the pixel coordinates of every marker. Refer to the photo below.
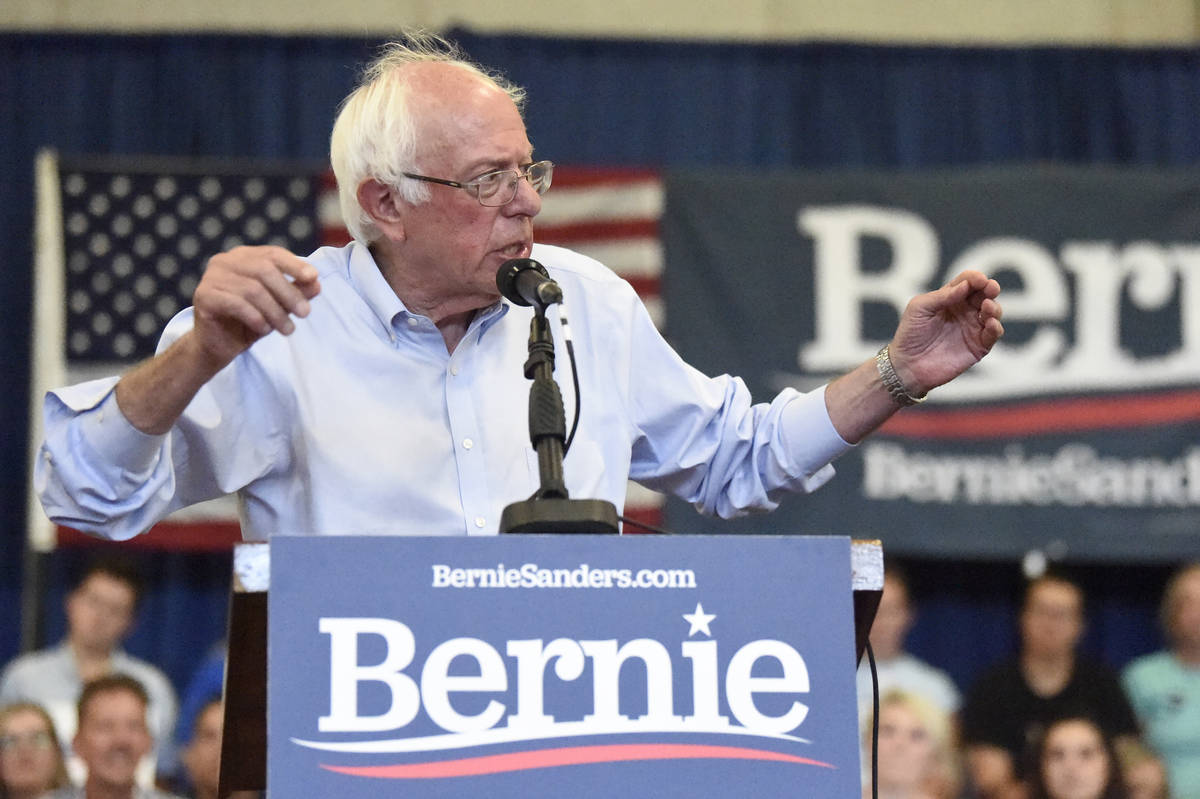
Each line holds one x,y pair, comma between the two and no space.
387,307
372,287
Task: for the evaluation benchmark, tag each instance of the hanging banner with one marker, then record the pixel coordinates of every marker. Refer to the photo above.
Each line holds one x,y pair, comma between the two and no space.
1079,435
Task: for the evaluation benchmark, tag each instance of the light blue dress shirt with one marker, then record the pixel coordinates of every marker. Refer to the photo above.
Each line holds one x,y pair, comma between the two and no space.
361,421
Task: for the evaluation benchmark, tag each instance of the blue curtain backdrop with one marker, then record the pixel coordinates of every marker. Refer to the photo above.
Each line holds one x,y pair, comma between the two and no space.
591,102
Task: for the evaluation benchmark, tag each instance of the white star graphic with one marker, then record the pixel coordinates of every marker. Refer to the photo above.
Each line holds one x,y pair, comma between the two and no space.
699,621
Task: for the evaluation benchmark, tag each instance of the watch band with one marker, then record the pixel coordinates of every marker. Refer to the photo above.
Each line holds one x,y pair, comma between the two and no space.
891,380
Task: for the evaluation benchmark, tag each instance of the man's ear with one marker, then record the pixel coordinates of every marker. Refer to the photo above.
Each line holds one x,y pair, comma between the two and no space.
380,203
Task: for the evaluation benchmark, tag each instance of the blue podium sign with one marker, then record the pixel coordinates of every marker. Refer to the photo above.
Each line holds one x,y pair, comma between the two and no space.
588,666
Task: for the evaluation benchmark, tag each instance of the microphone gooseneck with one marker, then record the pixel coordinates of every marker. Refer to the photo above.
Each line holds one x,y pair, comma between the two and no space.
523,281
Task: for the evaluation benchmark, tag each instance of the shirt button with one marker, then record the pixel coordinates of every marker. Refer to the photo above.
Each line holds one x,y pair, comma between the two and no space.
480,521
413,321
468,443
454,370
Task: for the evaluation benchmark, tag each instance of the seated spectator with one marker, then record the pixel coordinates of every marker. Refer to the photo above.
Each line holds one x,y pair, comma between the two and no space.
202,755
1076,760
1011,705
31,759
1165,687
897,669
112,737
100,612
206,683
1144,771
917,757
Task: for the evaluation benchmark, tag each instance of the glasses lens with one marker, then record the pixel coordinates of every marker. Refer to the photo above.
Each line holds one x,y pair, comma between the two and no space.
540,175
491,188
499,188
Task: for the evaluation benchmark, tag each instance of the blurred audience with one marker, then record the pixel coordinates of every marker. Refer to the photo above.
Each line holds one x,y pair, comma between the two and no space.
1076,760
202,755
206,684
917,754
31,759
1165,687
112,738
100,613
1144,771
1012,703
897,669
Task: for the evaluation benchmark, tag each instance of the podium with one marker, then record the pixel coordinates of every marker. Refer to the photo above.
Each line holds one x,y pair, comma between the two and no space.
726,742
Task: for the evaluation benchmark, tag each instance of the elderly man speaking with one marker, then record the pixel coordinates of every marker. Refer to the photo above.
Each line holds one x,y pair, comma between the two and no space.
377,388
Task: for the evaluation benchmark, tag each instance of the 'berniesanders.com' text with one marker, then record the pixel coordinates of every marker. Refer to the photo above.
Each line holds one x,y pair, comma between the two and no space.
530,575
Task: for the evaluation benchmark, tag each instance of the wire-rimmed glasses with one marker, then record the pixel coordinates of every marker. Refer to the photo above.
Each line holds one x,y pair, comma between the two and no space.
498,188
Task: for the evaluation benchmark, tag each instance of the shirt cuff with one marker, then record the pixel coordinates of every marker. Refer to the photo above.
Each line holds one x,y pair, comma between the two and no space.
813,440
104,428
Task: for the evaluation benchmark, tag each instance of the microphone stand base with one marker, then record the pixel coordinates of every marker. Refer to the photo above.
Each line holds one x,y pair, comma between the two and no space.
595,516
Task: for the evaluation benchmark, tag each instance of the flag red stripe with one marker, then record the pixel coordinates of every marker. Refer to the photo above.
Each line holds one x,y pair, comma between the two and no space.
334,236
651,515
215,535
1067,415
596,230
645,286
588,177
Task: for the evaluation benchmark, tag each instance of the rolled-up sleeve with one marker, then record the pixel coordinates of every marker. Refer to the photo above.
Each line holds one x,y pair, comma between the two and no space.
94,469
704,440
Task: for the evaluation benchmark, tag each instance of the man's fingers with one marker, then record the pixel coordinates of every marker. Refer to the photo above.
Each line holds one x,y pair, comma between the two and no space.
282,260
264,299
245,299
223,305
261,287
993,330
991,309
284,292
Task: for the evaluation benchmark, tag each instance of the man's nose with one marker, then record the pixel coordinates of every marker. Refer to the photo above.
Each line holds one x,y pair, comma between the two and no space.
526,202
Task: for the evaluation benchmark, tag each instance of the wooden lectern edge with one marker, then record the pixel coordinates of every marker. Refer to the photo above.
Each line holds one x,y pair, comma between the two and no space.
243,764
244,747
866,582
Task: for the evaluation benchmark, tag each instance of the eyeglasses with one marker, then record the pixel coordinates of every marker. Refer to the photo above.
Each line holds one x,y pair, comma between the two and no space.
498,188
37,739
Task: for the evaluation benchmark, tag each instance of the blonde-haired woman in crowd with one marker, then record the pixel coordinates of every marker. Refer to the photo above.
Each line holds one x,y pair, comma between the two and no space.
918,757
31,762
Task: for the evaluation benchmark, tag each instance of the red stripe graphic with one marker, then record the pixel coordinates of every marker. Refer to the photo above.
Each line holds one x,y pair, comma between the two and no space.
567,756
1068,415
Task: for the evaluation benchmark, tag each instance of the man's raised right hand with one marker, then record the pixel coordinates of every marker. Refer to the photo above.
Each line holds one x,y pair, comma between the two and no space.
245,294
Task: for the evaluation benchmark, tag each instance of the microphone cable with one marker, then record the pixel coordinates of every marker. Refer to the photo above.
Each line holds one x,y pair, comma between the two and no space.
566,333
874,723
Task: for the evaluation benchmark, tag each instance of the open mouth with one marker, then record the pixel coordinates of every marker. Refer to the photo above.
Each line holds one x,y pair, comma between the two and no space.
518,250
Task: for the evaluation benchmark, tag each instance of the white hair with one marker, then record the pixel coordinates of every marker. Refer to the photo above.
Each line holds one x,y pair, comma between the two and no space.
375,135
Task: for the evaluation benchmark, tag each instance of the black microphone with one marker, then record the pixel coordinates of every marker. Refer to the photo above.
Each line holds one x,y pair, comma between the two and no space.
523,281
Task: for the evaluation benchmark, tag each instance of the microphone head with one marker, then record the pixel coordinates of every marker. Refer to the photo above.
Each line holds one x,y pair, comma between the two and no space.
506,278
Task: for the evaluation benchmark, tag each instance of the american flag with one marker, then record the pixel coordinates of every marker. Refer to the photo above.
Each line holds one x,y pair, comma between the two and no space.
122,242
